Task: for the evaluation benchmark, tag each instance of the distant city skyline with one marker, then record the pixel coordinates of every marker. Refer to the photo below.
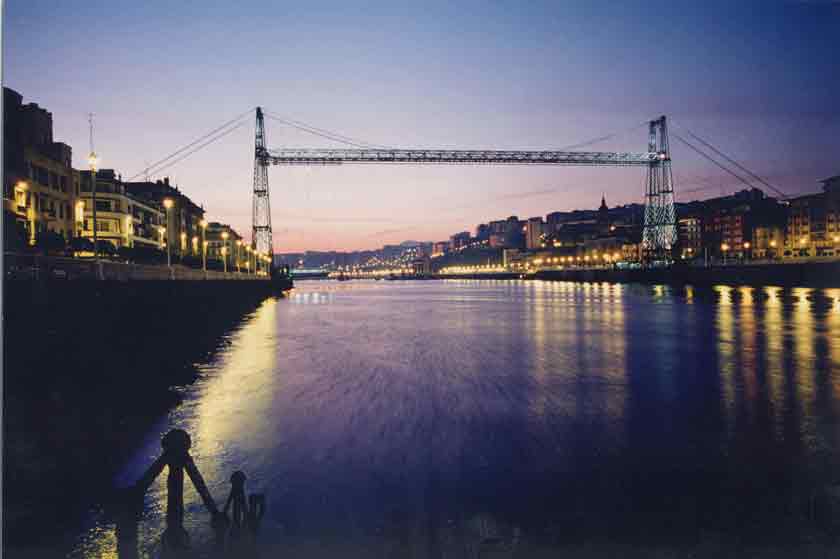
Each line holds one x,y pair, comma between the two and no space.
759,79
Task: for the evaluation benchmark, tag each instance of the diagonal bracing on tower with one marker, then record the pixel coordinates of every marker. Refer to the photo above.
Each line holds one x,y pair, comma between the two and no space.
261,237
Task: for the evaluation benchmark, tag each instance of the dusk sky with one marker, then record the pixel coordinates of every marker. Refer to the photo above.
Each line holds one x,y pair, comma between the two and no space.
761,80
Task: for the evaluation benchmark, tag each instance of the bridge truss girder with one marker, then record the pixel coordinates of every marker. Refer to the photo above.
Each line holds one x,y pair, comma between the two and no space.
660,228
305,156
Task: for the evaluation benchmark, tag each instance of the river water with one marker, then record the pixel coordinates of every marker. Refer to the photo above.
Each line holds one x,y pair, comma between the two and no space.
422,419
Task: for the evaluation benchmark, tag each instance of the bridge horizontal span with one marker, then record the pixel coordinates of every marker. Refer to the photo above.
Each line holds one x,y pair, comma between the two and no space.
305,156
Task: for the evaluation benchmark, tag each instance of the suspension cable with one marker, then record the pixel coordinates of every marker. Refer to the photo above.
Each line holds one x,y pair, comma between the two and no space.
153,167
328,134
705,155
741,167
199,148
602,138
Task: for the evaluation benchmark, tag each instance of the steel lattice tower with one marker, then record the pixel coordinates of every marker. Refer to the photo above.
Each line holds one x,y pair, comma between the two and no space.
660,232
261,239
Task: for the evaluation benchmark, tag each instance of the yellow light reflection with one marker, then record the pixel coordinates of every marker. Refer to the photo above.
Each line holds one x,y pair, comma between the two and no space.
726,352
774,340
802,323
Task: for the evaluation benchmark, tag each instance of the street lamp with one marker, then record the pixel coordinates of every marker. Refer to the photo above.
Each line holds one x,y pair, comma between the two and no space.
724,247
238,251
195,244
168,203
225,236
93,161
203,224
746,249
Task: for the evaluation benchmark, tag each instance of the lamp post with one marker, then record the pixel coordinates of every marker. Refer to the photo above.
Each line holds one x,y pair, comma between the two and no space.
93,160
747,246
203,224
724,247
168,203
225,236
238,250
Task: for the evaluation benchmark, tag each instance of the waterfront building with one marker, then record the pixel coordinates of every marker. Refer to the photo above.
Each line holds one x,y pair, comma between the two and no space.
39,181
498,240
421,266
768,242
182,220
482,232
459,240
534,233
498,226
440,248
690,235
225,247
121,219
728,221
813,223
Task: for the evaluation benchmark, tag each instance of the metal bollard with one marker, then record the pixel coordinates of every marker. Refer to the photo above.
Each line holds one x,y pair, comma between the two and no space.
245,514
176,444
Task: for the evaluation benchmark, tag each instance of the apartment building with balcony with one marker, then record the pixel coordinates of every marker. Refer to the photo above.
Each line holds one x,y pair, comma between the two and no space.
121,219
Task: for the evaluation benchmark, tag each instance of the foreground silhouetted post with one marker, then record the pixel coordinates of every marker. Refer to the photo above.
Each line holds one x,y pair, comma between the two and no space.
245,513
176,444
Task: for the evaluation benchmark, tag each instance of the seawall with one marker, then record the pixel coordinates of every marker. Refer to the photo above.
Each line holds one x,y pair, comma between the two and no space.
88,366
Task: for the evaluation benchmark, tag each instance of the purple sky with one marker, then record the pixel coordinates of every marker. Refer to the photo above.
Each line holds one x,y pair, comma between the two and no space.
759,79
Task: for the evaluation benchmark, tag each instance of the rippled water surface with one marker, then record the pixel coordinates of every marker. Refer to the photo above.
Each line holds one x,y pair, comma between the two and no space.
416,418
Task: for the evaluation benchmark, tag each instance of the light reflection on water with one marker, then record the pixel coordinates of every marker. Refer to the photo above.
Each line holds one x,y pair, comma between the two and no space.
369,409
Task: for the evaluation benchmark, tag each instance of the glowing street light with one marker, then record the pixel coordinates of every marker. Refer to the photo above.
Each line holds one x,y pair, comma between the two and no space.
225,236
203,224
238,252
168,203
725,248
93,161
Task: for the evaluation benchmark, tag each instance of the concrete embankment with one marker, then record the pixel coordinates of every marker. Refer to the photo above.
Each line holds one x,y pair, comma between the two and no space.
808,274
88,366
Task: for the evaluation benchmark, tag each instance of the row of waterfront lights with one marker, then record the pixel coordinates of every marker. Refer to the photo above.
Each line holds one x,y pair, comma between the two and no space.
168,204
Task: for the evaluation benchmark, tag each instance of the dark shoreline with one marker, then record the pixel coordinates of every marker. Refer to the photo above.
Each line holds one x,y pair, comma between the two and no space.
88,368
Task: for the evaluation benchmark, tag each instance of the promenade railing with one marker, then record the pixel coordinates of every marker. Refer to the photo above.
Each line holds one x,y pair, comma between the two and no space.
38,267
